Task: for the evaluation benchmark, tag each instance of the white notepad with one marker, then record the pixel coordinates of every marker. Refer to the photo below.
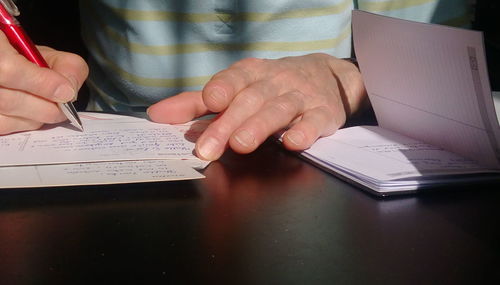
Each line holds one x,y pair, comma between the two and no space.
429,87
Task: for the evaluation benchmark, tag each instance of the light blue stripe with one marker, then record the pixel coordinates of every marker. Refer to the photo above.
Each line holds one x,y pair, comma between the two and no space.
201,64
280,31
302,29
208,6
143,95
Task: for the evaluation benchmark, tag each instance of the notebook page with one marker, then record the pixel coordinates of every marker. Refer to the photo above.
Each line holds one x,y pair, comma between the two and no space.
428,82
380,154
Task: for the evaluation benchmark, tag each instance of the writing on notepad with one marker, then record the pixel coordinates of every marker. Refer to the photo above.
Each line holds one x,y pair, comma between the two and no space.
103,140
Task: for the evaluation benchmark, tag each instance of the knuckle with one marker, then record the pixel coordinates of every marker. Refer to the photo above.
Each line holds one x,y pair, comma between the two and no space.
78,61
286,75
285,107
263,125
7,66
215,96
74,58
250,99
222,128
291,104
44,82
333,116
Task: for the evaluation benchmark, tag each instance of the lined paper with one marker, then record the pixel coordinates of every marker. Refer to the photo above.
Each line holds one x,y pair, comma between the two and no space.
429,82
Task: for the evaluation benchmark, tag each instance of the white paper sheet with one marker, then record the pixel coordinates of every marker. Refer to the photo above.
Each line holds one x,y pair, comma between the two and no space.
429,82
106,138
112,149
389,163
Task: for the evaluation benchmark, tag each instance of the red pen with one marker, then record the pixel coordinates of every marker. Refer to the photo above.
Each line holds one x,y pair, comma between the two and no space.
23,44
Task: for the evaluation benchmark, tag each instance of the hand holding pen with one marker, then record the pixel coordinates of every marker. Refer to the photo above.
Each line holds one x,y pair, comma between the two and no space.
32,94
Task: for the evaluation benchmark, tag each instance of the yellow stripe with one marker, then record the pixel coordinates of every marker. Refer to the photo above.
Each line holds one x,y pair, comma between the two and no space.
206,47
137,15
161,82
201,80
381,6
147,81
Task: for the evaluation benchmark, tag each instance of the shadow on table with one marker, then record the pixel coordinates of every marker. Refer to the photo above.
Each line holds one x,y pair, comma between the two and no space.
17,199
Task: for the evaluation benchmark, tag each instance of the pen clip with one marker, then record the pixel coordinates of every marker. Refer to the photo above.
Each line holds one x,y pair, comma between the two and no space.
11,7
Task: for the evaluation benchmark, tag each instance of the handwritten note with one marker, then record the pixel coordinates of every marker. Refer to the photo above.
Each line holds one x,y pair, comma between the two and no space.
96,173
112,149
104,139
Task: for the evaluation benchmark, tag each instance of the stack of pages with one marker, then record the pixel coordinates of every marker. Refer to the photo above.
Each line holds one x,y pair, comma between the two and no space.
429,88
112,149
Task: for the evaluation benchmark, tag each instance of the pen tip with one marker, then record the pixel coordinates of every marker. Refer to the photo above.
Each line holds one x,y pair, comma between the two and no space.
79,126
76,122
69,110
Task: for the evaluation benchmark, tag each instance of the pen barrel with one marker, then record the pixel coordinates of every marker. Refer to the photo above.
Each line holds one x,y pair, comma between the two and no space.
22,43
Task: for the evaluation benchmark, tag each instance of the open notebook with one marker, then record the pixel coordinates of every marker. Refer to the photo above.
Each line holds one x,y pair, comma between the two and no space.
429,88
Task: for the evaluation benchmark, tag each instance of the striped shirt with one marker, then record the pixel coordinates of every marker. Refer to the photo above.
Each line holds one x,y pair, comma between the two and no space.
147,50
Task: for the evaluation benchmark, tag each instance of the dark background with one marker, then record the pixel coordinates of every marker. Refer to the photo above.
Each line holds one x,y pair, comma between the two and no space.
55,24
487,20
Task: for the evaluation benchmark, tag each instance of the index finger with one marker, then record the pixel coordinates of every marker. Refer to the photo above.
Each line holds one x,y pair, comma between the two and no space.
178,109
220,91
16,72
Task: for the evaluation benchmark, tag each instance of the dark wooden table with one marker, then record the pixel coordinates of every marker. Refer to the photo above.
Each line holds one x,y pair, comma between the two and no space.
264,218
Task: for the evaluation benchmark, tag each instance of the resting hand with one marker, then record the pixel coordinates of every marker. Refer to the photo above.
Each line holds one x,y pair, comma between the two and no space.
28,92
310,95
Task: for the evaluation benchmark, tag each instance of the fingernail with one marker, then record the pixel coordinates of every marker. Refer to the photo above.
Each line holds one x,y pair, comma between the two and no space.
245,138
295,137
64,93
208,149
